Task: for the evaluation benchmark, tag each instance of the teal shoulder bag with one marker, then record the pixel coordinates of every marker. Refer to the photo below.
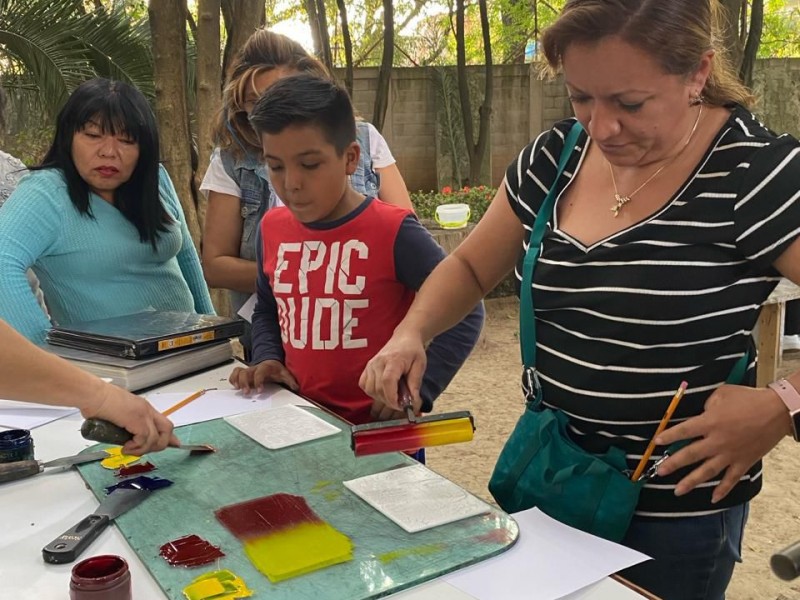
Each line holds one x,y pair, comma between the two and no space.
540,465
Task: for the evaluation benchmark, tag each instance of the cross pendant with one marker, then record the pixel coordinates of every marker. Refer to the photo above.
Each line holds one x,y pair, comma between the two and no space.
620,202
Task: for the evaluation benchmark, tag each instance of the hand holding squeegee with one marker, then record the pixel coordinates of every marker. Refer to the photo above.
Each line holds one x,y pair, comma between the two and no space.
413,432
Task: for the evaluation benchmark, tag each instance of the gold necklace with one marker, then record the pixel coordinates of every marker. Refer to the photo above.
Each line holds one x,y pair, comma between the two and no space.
619,200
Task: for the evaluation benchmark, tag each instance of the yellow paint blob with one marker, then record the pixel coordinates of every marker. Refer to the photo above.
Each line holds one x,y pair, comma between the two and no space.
425,550
117,459
298,550
217,585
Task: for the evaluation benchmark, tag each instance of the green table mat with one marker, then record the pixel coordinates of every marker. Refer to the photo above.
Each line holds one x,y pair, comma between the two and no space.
386,558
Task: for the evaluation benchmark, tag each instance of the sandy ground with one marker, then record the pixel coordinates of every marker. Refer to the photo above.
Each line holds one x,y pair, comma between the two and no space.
488,385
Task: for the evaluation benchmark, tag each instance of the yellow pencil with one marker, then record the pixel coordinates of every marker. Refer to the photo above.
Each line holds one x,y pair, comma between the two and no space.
183,402
661,427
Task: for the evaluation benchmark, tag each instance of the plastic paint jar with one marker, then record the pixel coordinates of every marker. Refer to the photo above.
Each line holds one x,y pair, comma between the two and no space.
104,577
15,444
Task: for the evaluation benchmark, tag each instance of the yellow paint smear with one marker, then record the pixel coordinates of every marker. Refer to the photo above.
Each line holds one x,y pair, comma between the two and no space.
425,550
328,490
217,585
117,459
298,550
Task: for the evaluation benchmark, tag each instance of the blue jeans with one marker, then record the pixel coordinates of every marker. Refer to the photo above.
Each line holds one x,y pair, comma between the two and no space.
693,556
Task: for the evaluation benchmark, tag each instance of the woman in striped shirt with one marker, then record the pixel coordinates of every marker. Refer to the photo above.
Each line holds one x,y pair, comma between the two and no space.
676,216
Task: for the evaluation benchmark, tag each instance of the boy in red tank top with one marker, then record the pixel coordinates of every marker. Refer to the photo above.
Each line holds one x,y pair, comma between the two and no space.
337,270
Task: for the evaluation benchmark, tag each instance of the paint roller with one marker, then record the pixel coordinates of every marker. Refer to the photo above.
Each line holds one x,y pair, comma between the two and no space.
413,432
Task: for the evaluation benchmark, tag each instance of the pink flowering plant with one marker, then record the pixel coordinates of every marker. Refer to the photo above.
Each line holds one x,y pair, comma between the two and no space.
478,199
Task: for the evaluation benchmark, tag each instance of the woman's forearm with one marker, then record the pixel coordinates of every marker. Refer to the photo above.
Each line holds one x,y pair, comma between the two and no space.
232,273
448,295
30,374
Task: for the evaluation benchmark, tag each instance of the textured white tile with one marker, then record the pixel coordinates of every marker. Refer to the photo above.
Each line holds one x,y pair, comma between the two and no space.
416,498
282,426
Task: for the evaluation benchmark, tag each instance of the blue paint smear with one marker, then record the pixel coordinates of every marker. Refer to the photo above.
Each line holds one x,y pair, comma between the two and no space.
143,482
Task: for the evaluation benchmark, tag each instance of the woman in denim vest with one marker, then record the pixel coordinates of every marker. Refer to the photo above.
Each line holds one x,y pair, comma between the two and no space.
237,184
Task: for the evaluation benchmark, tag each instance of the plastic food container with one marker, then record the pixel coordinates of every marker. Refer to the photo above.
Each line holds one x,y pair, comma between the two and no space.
452,216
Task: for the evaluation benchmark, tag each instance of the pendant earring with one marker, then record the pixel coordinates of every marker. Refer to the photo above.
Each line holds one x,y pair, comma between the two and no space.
696,99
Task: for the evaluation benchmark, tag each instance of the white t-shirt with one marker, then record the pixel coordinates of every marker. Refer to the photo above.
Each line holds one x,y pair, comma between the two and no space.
217,180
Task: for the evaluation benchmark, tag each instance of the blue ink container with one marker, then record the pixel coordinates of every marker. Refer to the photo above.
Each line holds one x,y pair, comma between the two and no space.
15,444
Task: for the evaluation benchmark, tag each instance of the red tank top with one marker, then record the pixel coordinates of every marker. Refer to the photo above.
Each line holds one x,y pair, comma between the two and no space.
338,299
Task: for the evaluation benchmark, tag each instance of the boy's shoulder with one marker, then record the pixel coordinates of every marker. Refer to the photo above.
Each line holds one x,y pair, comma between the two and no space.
374,211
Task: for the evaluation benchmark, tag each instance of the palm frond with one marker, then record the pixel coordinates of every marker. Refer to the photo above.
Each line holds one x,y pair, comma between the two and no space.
117,47
37,42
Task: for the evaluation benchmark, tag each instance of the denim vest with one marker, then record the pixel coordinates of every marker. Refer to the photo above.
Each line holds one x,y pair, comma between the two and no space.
365,179
251,175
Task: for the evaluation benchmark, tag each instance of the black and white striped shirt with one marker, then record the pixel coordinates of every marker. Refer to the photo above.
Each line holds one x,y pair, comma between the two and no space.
621,322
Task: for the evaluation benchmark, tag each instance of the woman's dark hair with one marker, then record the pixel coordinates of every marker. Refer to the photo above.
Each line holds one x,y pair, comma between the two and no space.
117,108
675,32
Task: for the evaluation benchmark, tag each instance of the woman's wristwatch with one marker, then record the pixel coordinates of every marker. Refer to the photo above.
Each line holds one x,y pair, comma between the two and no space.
791,398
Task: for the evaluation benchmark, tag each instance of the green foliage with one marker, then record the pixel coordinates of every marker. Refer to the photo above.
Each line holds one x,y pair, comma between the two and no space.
30,144
449,128
781,35
478,199
52,47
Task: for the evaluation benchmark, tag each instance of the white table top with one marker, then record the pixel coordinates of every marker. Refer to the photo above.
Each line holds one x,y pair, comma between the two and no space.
36,510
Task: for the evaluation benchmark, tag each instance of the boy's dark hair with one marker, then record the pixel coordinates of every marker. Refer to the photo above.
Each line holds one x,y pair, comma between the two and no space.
307,100
117,108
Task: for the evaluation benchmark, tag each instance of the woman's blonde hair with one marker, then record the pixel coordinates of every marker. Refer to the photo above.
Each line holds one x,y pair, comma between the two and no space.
264,50
675,32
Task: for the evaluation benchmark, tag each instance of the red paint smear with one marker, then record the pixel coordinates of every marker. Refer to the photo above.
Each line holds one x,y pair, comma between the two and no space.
144,467
190,551
262,516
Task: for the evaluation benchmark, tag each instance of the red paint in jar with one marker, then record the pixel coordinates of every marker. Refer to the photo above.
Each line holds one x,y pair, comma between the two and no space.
104,577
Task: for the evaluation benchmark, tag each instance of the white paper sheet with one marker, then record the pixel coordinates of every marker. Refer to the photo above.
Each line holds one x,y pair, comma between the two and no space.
416,498
246,312
29,415
216,403
558,560
282,426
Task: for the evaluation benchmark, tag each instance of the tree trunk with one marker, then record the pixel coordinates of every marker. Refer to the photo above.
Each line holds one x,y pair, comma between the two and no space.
242,18
168,33
385,72
753,41
208,77
475,150
318,22
348,47
731,40
485,111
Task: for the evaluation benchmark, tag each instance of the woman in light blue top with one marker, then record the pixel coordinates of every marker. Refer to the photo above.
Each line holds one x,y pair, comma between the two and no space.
98,221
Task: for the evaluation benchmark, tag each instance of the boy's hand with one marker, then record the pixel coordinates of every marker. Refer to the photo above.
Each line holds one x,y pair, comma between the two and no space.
254,378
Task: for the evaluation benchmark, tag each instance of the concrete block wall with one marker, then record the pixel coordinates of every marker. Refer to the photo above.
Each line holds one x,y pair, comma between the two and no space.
523,106
777,84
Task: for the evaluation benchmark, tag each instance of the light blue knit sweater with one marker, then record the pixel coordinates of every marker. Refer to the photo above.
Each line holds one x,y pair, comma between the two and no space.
90,268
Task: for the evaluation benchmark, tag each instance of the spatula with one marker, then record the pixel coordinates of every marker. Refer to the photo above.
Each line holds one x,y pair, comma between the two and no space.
26,468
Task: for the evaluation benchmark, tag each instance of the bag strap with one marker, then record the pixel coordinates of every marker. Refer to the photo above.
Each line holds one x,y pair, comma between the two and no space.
527,320
739,370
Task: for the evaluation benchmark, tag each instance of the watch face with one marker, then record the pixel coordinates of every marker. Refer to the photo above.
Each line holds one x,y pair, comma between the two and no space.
796,425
